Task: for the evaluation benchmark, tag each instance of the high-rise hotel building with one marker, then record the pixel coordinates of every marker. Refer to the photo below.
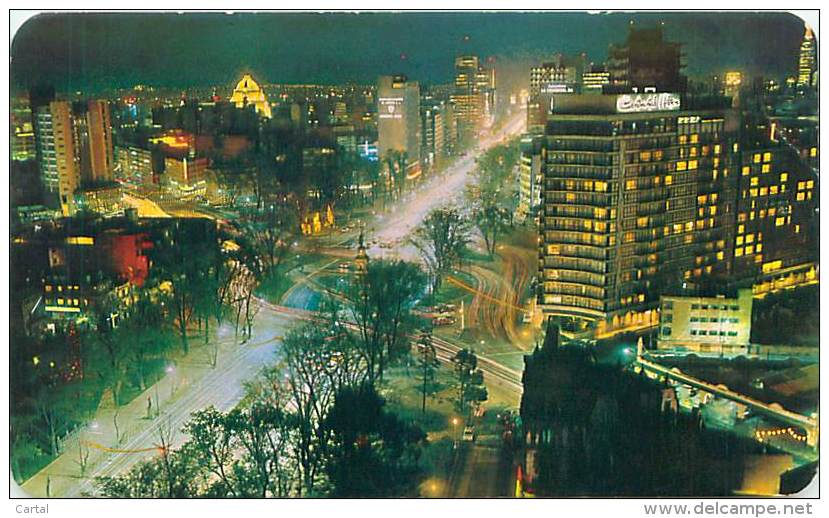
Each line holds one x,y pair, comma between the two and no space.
636,199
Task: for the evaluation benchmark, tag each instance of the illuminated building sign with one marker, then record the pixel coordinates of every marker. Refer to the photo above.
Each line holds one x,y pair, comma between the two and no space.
556,88
653,102
390,107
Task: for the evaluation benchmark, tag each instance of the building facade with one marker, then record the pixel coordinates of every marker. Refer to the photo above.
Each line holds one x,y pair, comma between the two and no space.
634,202
706,324
807,62
398,118
249,93
473,95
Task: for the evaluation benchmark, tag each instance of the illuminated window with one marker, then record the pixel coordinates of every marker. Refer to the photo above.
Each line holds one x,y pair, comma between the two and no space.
681,166
669,180
600,186
756,158
60,302
749,238
47,288
779,222
746,170
773,189
630,185
813,152
749,250
810,184
720,256
694,138
735,147
716,149
741,229
739,240
766,168
755,181
713,210
784,177
764,191
683,139
766,157
692,164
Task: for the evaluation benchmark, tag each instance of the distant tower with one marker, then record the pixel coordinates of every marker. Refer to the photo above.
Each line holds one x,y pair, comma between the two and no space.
807,64
362,257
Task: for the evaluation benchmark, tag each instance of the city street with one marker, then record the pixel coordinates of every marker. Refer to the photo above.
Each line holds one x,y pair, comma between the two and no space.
223,386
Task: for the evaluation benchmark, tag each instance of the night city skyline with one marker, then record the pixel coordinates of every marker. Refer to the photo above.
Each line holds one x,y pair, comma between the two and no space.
415,255
174,49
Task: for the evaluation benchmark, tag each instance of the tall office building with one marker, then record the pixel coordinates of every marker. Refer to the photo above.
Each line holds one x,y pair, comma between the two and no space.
22,130
776,236
438,133
563,74
529,176
74,148
93,137
646,62
398,114
473,94
807,63
636,199
57,155
595,79
99,125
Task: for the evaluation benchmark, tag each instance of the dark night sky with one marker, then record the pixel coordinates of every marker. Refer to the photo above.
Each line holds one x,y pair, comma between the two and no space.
88,51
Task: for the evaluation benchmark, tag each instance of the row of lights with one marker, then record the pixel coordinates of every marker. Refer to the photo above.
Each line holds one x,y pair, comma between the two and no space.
762,435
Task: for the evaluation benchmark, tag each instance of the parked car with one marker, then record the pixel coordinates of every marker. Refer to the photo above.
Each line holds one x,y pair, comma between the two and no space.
443,321
469,433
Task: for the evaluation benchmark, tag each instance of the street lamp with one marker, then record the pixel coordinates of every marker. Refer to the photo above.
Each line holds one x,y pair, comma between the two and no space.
455,432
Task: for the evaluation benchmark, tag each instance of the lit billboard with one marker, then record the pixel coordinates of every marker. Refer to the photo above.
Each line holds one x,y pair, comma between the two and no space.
651,102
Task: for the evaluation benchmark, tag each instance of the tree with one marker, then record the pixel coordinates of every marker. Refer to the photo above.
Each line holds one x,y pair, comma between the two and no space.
380,304
441,239
309,359
471,387
213,444
372,442
428,363
491,220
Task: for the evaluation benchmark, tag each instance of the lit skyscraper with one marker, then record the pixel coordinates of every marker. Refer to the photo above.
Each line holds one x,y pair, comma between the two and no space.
59,165
398,112
474,94
74,148
807,64
633,202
